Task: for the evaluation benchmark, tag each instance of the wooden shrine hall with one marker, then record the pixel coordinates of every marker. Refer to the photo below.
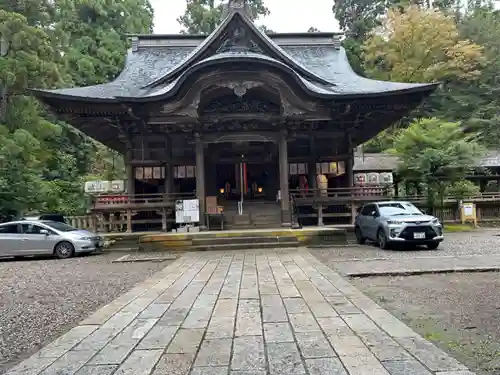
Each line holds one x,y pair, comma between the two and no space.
237,115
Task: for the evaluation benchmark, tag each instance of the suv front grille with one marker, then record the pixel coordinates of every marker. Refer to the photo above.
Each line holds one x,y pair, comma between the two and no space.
408,232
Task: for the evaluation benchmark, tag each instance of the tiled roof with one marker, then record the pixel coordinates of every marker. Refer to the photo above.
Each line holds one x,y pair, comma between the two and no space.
385,162
322,66
375,162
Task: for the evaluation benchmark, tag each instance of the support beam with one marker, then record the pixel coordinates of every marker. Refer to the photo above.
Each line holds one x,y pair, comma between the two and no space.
283,167
200,178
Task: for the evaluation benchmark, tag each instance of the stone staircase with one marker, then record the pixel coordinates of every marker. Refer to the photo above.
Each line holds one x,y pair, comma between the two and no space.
256,215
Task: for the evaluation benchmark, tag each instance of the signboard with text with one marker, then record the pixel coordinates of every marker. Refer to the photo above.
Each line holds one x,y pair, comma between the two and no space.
187,211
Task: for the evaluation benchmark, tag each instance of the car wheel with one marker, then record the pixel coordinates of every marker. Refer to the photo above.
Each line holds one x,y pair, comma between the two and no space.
359,236
382,240
433,245
64,250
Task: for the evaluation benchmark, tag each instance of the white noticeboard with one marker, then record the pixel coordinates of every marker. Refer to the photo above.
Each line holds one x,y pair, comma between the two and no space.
187,211
468,209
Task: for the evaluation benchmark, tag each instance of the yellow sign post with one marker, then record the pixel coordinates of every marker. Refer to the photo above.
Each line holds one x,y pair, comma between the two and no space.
468,213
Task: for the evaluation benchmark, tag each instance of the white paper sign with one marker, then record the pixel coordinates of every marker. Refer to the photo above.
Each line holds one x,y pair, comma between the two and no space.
97,187
468,209
187,211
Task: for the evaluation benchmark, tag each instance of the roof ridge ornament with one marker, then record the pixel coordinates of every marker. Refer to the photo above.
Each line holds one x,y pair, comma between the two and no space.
235,6
337,41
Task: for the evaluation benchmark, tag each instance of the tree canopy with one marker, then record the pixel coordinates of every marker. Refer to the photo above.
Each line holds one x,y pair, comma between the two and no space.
420,45
437,154
203,16
50,44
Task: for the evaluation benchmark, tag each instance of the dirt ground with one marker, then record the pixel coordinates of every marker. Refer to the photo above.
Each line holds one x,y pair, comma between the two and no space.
459,312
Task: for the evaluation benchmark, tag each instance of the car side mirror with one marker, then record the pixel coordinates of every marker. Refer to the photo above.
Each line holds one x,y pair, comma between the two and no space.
44,231
374,213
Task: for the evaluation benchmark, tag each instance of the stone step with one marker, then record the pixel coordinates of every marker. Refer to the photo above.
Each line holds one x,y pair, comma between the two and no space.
241,246
243,240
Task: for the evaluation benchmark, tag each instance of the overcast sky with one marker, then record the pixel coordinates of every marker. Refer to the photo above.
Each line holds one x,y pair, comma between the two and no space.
284,17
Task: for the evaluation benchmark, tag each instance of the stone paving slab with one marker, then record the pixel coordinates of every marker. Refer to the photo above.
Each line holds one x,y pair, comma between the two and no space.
418,265
242,313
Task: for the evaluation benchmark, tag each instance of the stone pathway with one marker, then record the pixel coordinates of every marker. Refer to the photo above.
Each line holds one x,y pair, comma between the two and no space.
242,313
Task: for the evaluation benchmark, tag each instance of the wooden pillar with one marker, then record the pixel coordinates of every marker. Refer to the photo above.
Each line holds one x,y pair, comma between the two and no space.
311,165
200,178
164,226
320,215
169,169
283,168
349,167
130,184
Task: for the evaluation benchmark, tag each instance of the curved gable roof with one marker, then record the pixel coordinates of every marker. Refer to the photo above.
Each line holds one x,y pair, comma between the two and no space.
171,88
216,39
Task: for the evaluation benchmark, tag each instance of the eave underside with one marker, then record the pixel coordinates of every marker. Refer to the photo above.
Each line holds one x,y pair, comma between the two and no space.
114,124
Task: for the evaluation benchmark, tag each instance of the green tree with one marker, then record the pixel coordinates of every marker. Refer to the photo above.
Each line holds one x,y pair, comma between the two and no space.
420,45
203,16
95,35
423,45
480,101
359,17
43,161
20,177
436,154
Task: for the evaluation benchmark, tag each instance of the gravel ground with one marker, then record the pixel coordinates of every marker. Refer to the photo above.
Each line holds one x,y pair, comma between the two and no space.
42,298
480,242
459,312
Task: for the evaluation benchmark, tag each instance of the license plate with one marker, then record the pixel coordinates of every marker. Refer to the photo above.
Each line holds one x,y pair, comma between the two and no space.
419,236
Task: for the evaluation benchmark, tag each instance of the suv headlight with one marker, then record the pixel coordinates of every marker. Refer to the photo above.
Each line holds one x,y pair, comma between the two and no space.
435,221
85,239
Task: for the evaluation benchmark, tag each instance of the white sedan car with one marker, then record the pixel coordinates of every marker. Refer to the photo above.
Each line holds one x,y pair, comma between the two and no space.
31,237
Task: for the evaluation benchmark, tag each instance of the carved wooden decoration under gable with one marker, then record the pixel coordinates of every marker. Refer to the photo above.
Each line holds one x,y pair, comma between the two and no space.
231,104
238,40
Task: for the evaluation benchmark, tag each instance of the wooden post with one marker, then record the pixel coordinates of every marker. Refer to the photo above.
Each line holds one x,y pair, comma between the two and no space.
130,183
169,170
200,178
129,221
94,222
320,215
353,212
350,174
311,165
164,227
283,168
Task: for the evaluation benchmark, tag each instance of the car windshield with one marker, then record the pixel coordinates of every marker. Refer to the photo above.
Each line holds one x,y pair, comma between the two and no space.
397,208
60,226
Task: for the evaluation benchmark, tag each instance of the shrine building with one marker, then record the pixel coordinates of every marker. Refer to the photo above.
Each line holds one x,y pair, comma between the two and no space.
237,114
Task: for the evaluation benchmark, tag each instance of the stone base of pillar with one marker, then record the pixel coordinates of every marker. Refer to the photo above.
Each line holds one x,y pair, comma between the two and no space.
286,221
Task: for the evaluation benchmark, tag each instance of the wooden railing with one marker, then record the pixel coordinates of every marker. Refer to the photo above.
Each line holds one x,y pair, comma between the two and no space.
358,192
110,212
135,201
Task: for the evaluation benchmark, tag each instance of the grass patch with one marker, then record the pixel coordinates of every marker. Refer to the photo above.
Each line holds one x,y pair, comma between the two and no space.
451,228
